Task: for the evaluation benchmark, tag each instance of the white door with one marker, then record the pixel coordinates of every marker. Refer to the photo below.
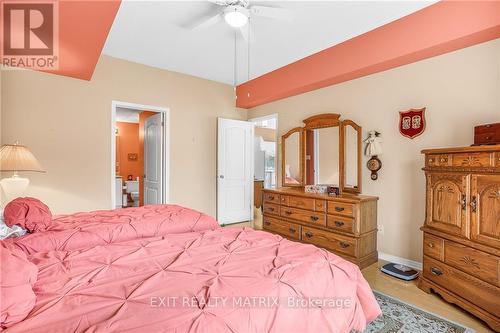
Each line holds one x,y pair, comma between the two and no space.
153,158
234,171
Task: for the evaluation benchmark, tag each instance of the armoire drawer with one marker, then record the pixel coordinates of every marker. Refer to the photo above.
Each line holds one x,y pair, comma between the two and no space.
483,294
443,160
340,223
330,240
290,230
342,208
433,246
303,215
480,264
272,197
300,202
478,160
271,208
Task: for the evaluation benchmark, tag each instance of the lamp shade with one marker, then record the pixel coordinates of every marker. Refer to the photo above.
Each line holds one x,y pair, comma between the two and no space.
18,158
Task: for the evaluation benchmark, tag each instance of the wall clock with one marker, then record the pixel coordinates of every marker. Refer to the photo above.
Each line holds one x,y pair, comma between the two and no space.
374,165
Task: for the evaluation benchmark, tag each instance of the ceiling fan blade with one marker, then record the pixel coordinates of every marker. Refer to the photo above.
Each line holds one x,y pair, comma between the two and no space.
272,12
219,2
212,20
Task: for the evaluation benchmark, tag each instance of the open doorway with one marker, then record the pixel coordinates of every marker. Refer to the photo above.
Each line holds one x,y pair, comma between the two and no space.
265,155
139,155
266,146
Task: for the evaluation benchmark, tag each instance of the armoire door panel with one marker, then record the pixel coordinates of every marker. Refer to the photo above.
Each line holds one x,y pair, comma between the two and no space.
485,209
447,197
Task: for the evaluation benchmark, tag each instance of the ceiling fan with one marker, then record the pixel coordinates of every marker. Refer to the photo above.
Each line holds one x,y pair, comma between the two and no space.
236,14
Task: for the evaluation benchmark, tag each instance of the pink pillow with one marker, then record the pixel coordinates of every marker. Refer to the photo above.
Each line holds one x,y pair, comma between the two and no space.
29,213
17,278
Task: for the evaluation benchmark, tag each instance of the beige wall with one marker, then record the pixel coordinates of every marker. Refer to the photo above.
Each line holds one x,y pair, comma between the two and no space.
67,124
459,89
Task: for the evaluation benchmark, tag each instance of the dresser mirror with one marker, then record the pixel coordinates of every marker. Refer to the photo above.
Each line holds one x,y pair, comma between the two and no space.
292,166
322,156
326,151
352,156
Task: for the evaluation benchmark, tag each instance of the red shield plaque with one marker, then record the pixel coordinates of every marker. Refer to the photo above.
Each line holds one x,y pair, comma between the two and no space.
412,122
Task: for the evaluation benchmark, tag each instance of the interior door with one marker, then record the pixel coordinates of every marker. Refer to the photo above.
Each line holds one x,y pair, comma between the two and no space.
447,197
485,209
234,171
153,160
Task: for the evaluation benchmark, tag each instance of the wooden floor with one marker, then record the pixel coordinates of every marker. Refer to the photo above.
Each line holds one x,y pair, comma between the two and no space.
406,291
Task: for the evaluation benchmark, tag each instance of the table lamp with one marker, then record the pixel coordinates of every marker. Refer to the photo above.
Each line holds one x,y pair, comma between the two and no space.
16,158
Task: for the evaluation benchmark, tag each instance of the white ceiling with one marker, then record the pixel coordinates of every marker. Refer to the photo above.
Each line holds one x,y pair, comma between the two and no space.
152,33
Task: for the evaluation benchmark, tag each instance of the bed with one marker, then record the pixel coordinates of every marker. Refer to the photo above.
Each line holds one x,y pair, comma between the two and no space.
172,269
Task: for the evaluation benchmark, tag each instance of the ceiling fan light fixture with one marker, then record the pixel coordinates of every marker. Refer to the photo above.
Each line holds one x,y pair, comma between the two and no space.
236,16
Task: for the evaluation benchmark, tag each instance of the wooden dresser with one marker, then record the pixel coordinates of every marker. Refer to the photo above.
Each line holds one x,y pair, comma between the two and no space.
345,225
462,229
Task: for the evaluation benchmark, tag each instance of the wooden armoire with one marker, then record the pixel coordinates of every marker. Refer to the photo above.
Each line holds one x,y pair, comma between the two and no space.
462,229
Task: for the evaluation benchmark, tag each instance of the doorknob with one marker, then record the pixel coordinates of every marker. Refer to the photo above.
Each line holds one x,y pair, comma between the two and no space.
221,176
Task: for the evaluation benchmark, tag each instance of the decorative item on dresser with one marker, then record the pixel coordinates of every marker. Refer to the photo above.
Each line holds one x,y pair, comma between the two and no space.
462,229
488,134
328,151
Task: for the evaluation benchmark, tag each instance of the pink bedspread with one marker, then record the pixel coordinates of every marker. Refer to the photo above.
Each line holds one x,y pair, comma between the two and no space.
221,280
76,231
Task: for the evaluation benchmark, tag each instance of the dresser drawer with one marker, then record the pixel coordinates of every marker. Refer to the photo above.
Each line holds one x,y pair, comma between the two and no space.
271,208
299,202
287,229
272,197
304,215
342,208
480,264
320,205
433,246
483,294
329,240
284,200
345,224
478,160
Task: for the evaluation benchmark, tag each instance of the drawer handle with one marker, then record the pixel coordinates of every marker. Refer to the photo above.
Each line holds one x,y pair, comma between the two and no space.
314,218
308,234
463,202
436,271
271,209
267,223
287,212
344,245
473,204
271,197
339,223
431,160
339,209
444,159
431,245
292,230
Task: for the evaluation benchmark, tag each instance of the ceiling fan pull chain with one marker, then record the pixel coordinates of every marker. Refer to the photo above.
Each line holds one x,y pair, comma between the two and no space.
235,67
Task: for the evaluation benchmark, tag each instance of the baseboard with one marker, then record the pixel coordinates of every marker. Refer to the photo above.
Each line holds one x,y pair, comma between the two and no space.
402,261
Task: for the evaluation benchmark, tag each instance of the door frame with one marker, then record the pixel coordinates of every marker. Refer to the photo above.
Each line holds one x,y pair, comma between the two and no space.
166,146
277,156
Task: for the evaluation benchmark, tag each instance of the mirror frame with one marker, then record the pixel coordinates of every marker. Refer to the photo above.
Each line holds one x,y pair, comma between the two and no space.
301,183
357,128
322,121
326,120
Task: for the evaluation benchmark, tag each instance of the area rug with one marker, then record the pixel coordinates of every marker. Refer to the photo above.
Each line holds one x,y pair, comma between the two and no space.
400,317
